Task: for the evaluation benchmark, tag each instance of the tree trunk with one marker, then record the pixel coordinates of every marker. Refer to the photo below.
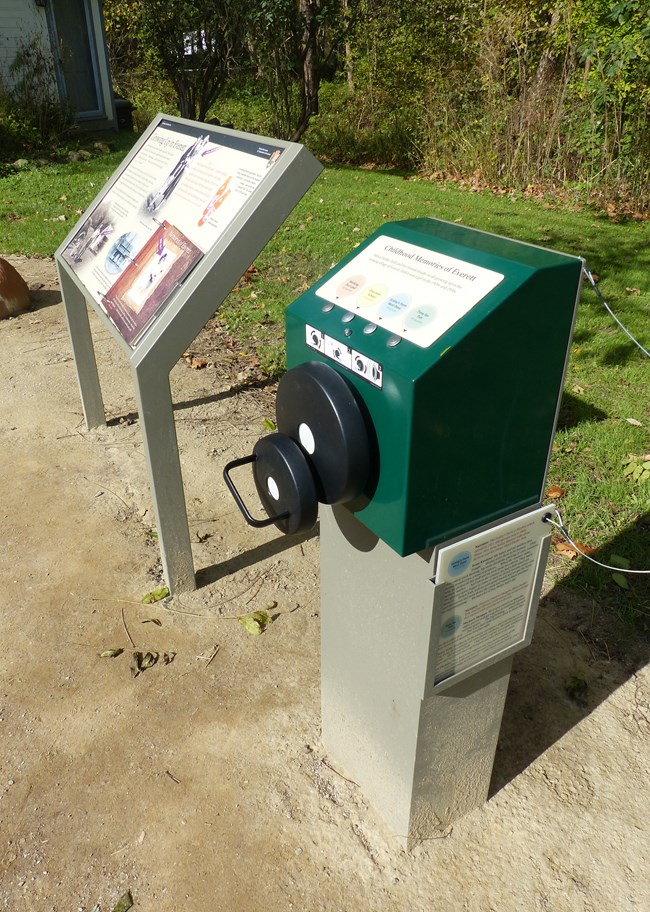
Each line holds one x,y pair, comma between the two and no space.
310,81
546,68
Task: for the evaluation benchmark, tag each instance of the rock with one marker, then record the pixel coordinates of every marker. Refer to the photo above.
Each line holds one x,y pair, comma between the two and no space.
14,293
79,155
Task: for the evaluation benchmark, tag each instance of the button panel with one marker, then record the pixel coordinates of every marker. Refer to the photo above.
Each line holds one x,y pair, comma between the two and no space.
342,354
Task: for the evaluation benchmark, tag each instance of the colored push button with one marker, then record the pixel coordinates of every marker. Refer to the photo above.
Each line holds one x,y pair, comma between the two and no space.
369,328
347,317
327,307
393,341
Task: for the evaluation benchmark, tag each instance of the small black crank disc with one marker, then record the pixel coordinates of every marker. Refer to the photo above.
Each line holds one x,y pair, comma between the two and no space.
285,483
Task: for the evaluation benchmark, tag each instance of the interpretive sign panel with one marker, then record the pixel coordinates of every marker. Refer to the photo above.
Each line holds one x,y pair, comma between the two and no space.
162,214
155,255
486,592
411,291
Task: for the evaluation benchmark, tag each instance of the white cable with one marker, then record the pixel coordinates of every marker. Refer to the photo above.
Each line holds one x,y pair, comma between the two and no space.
595,287
560,525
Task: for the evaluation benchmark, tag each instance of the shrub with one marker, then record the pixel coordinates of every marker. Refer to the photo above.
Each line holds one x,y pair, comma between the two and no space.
363,128
34,93
17,135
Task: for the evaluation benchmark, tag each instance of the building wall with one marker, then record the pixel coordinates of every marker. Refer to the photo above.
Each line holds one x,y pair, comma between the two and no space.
20,20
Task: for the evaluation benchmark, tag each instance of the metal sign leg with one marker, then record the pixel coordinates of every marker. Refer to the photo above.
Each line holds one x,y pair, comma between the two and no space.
154,399
76,312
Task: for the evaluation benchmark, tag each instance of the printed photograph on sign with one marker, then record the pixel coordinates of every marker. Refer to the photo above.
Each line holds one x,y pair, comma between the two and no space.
148,280
181,190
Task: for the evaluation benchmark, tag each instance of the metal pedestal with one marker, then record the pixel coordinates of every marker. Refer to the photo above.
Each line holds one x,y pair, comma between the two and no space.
423,758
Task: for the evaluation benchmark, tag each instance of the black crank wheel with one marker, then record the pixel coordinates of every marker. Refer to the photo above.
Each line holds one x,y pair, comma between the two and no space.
316,406
285,483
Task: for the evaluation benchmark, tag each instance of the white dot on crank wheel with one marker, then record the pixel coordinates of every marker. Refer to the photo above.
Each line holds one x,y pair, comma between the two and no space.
272,488
307,438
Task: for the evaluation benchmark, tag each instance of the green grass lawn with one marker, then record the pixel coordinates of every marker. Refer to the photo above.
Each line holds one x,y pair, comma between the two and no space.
607,380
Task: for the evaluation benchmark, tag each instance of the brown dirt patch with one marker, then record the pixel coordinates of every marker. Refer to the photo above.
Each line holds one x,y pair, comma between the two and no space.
202,785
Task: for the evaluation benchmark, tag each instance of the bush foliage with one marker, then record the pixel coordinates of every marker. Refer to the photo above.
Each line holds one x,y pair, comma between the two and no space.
516,94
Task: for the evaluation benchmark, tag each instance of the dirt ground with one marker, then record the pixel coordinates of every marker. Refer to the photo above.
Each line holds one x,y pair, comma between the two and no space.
202,784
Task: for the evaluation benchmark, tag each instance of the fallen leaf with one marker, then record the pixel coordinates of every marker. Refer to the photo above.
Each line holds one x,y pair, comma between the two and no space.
634,422
269,424
620,580
619,561
575,682
124,903
195,362
135,664
156,595
633,291
141,661
554,492
168,657
110,653
585,549
155,621
563,547
256,622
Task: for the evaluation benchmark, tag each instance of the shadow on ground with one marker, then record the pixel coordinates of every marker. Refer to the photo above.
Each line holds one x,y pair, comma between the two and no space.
585,647
215,572
575,411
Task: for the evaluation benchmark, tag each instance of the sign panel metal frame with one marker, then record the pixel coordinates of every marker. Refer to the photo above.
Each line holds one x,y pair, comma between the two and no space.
183,307
491,582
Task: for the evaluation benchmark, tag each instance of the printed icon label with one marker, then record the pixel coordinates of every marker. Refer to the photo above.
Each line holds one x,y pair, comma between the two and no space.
395,305
351,286
339,352
372,296
370,370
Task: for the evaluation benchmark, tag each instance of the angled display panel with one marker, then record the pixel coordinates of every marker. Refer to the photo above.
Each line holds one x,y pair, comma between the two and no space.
170,205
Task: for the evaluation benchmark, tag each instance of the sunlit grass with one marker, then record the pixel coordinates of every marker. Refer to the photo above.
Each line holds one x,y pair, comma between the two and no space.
607,379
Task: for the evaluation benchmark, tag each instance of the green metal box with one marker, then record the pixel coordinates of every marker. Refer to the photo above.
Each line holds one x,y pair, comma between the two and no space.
456,343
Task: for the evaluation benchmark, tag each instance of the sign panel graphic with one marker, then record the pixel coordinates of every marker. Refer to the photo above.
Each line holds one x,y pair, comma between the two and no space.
484,593
168,207
411,291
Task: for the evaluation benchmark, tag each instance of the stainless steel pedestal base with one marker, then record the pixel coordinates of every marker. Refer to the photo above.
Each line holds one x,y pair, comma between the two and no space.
422,758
